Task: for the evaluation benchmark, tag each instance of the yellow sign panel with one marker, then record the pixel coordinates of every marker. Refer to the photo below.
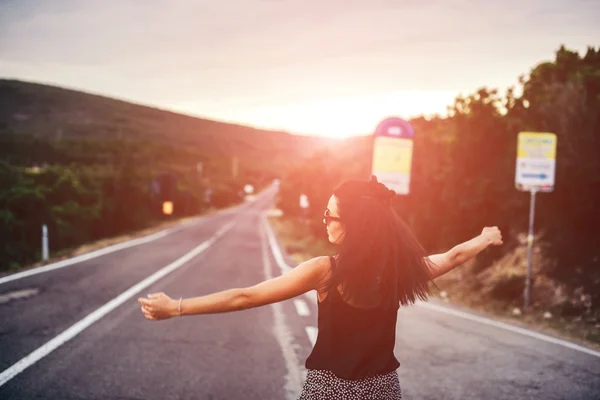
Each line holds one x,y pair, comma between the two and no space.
392,154
536,145
536,161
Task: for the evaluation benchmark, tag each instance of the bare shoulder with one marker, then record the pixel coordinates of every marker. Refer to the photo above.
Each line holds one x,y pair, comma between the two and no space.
317,268
322,269
320,265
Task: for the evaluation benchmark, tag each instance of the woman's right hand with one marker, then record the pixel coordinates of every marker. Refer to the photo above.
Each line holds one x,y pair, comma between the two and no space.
158,306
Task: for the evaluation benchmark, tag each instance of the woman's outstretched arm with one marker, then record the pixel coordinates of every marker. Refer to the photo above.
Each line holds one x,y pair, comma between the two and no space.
303,278
445,262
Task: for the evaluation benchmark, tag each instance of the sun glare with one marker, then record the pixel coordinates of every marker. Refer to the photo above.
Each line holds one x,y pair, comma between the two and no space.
339,117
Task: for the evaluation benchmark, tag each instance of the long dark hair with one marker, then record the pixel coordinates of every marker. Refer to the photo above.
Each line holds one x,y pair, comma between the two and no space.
379,262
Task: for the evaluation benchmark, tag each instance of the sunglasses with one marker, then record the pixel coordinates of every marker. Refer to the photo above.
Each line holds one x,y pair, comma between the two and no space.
327,217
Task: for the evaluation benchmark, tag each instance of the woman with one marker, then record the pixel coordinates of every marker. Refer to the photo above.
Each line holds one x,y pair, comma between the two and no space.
379,266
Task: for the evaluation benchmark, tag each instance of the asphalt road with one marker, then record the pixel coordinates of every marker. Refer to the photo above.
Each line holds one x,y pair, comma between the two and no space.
77,332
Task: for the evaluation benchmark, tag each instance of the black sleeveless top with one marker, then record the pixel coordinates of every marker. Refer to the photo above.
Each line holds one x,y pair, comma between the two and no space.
354,343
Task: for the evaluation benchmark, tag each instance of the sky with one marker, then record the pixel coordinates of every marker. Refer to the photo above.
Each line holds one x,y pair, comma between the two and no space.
317,67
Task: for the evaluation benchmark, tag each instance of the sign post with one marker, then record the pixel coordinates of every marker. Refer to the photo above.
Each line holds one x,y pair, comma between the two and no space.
535,172
392,154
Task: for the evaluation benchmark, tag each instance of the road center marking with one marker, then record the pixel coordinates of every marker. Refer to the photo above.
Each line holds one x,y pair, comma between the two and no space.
312,333
18,294
301,308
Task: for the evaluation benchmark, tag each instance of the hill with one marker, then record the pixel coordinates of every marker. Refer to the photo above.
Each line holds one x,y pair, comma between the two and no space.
57,114
91,167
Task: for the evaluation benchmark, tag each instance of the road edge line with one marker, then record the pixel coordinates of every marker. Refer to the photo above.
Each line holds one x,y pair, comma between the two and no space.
294,377
508,327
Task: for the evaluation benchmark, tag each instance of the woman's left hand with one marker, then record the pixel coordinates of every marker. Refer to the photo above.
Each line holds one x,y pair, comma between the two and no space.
158,306
492,235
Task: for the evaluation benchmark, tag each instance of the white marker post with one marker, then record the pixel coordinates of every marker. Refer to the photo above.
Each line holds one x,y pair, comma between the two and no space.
392,154
45,251
535,172
304,204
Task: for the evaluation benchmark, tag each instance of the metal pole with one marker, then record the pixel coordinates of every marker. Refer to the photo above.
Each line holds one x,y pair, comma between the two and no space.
45,243
529,250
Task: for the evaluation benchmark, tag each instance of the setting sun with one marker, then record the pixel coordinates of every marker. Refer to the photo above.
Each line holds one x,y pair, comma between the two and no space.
343,116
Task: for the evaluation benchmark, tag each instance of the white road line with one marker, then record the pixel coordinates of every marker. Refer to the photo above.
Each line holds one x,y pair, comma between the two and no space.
526,332
312,295
275,248
301,308
79,326
294,377
18,294
507,327
86,256
312,333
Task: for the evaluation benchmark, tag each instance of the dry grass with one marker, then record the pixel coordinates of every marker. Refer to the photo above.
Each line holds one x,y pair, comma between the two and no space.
498,292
